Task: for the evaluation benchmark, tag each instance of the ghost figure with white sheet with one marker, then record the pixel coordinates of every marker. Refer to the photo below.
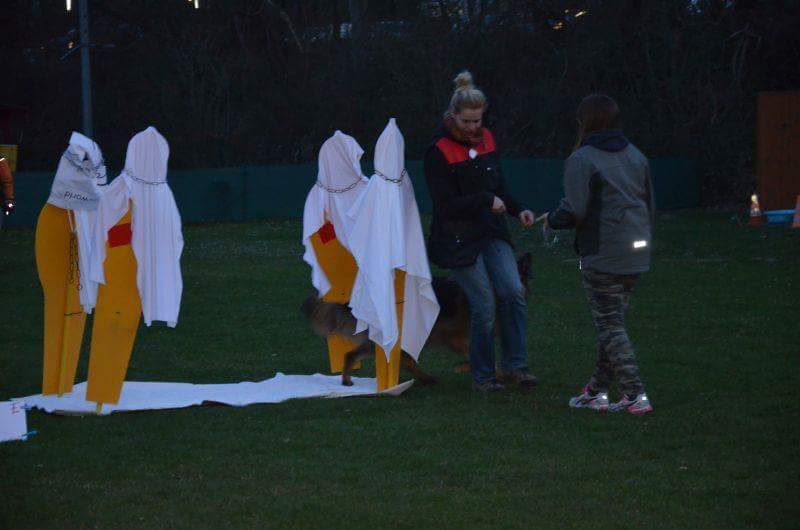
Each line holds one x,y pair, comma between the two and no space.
386,237
157,238
136,259
64,246
339,185
77,187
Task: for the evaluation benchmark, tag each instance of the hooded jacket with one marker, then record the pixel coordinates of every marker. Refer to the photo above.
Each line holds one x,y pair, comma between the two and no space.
609,201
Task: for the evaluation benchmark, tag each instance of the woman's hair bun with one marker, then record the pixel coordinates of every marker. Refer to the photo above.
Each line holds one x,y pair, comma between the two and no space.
465,96
464,80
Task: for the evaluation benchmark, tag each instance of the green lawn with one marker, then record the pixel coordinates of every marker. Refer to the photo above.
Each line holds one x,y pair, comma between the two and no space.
715,325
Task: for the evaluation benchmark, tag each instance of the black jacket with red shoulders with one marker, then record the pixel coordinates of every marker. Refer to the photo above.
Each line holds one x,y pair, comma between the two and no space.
463,181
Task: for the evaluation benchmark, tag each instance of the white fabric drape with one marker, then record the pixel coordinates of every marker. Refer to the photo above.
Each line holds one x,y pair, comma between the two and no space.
138,395
339,185
84,224
157,239
80,172
77,186
387,235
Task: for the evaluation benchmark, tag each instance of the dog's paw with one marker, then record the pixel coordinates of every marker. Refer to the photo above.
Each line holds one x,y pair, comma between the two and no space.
347,383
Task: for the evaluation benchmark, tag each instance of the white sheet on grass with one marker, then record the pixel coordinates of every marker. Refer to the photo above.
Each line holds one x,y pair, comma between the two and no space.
151,396
13,425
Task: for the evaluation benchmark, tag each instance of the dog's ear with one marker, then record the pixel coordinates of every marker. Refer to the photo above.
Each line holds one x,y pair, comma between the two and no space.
525,265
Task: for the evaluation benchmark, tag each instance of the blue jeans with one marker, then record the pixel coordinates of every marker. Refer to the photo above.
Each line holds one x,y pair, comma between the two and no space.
493,281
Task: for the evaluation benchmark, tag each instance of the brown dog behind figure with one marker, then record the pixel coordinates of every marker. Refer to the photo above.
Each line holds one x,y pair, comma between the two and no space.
450,332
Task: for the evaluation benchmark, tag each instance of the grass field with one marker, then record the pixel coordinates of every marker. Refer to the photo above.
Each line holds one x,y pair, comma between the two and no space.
715,325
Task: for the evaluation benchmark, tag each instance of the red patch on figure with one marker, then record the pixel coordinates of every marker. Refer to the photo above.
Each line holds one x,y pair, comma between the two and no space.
327,233
120,235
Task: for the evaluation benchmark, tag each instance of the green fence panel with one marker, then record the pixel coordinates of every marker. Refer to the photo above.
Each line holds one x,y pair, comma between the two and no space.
209,194
536,182
279,191
31,190
675,182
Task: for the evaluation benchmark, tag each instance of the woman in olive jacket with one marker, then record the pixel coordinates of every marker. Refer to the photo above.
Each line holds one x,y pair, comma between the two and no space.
469,234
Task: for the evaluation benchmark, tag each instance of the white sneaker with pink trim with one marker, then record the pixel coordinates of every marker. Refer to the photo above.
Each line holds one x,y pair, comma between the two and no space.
638,405
587,400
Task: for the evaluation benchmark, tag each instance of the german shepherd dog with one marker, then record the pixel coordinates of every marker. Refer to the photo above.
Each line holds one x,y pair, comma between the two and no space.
450,332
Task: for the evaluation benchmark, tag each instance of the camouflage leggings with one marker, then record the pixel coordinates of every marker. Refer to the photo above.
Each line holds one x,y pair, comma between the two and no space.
608,296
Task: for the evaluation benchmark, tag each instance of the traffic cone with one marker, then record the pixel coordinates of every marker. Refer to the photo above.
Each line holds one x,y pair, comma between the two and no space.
796,222
756,218
5,171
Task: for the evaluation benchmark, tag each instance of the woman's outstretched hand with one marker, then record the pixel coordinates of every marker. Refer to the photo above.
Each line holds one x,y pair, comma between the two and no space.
543,218
526,217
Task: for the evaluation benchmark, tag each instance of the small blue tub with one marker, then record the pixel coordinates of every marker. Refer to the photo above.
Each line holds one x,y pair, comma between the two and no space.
779,217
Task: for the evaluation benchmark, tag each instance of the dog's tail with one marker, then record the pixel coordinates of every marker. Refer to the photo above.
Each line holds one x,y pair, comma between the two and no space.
309,305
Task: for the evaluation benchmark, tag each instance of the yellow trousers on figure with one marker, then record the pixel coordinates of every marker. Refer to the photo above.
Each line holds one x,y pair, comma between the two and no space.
388,372
116,315
57,263
116,318
340,268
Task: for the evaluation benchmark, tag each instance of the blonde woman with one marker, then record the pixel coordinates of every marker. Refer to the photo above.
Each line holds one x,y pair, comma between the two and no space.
469,235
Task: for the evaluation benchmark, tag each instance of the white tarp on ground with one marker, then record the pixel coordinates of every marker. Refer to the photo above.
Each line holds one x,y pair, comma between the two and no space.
13,425
151,396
